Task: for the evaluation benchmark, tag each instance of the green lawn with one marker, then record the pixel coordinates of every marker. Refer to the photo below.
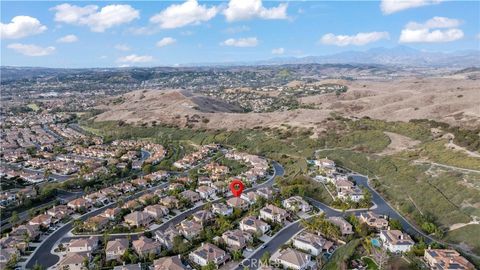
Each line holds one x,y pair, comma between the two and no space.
370,263
341,255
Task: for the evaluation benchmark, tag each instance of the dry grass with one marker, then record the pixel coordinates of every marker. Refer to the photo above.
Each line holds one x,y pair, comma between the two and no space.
452,100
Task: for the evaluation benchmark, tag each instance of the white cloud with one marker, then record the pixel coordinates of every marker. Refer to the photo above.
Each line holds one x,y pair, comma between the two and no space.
358,39
435,22
122,47
98,20
237,29
392,6
248,9
187,13
166,41
31,49
133,58
278,51
241,42
21,26
426,35
68,39
432,31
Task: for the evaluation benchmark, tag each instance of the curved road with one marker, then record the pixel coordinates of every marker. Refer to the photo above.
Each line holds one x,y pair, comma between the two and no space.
44,257
42,253
382,208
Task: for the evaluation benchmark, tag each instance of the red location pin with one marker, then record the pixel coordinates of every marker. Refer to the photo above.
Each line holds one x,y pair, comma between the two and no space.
236,186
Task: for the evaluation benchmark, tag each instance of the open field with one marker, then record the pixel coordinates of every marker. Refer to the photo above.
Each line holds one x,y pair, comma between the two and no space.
452,100
464,236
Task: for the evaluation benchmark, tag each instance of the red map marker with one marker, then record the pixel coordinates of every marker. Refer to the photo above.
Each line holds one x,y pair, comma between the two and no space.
236,187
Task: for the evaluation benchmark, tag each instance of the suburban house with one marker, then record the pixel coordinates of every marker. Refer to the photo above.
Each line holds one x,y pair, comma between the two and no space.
202,216
265,192
236,202
221,209
145,199
7,254
396,241
96,198
170,202
311,243
59,212
295,204
236,239
156,211
131,205
166,237
116,248
325,163
446,259
145,246
73,261
345,227
251,197
208,253
169,263
111,213
190,229
191,196
41,220
292,259
373,220
273,213
138,218
78,204
253,225
33,231
205,191
96,223
83,245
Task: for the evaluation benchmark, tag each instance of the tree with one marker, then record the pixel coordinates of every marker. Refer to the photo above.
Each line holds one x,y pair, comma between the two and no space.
12,262
14,218
395,224
147,168
265,257
237,255
151,257
210,266
31,213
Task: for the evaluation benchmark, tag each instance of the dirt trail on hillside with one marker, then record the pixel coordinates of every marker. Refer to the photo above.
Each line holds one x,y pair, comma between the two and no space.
398,143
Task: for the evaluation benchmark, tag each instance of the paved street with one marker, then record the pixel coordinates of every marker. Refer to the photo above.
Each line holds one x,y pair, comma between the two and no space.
382,207
45,258
43,253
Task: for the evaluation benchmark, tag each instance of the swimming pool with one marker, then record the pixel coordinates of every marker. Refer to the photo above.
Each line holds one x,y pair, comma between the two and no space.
376,242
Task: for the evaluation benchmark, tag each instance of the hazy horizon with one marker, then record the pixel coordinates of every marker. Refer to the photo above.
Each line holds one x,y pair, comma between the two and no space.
85,34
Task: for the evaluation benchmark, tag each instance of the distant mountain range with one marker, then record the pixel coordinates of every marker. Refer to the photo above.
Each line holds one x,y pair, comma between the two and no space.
398,56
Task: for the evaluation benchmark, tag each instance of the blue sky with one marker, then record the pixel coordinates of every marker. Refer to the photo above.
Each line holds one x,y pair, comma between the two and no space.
142,33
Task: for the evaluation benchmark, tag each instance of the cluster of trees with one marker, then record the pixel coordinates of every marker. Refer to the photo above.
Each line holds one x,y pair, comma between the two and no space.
322,225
